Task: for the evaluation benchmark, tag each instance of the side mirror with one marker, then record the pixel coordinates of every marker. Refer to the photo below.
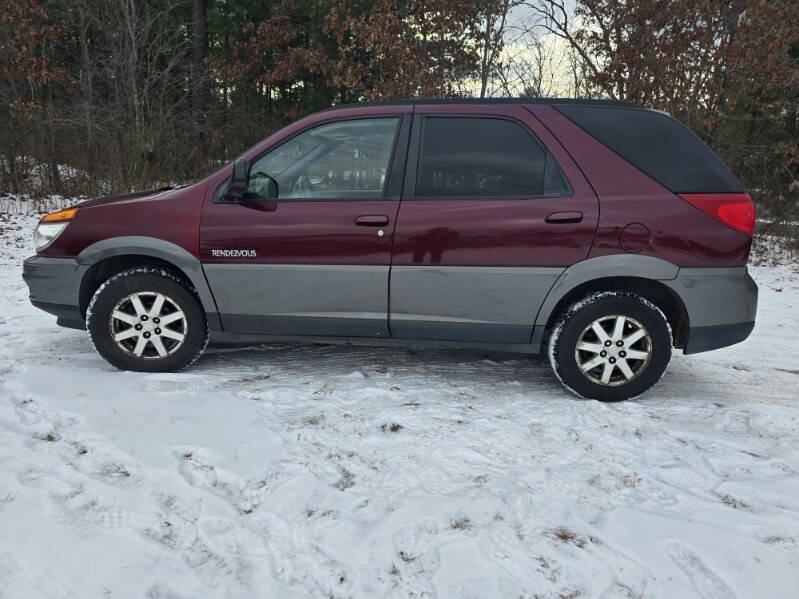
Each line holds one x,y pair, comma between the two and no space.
264,194
266,185
264,189
238,182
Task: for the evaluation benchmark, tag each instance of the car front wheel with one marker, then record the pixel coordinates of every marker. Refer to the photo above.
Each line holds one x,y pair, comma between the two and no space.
610,346
147,319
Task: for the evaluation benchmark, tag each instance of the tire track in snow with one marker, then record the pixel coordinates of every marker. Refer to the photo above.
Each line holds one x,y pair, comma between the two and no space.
78,489
705,581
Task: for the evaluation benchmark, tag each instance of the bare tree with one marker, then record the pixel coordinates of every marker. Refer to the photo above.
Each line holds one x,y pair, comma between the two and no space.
200,82
579,71
145,90
494,32
534,67
557,18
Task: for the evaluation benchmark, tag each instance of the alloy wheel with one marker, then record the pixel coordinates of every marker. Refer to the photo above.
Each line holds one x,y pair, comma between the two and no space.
148,325
613,350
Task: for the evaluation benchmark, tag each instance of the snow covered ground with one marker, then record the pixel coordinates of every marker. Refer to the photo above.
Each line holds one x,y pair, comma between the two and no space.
309,471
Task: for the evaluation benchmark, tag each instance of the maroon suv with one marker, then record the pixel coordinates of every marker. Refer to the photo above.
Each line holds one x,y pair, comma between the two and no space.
601,233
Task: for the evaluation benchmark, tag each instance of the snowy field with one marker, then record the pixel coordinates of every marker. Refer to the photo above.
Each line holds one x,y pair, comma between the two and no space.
310,471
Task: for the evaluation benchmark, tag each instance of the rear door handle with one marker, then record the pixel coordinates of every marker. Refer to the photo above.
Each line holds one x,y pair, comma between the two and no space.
564,217
372,220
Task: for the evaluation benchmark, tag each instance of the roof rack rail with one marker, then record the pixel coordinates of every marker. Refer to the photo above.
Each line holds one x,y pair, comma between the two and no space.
522,100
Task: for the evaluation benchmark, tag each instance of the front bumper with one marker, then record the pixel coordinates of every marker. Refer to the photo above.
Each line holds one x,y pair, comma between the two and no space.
721,304
54,286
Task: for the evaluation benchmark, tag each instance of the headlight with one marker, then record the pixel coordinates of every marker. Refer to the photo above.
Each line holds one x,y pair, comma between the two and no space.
51,227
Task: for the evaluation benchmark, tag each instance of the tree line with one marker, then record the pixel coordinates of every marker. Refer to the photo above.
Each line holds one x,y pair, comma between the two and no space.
99,96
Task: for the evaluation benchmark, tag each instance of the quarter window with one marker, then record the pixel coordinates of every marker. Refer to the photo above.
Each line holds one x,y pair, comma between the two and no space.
658,145
343,159
483,157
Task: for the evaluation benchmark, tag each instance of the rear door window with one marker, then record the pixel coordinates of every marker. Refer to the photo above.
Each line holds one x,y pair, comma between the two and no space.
484,157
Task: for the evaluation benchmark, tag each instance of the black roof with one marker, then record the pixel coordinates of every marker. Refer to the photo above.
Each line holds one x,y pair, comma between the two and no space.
546,101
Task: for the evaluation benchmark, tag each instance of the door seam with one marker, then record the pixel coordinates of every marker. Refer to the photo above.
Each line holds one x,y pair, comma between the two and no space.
396,220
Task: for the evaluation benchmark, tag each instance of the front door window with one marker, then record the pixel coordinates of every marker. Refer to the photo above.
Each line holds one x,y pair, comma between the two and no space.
340,160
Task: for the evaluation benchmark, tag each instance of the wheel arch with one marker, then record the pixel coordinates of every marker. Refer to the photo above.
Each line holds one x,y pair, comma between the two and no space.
642,275
108,257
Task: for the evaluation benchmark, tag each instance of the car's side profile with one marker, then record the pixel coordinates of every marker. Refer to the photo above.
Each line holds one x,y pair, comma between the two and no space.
599,234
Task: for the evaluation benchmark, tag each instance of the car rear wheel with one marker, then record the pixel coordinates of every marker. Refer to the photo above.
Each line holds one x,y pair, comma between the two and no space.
147,319
610,346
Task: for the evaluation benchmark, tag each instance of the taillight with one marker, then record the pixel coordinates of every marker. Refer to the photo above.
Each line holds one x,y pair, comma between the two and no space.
736,210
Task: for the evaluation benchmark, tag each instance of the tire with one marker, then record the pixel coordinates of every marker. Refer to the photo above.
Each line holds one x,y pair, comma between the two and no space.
584,371
176,330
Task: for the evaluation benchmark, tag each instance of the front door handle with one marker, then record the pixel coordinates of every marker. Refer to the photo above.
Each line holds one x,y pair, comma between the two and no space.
372,220
564,217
